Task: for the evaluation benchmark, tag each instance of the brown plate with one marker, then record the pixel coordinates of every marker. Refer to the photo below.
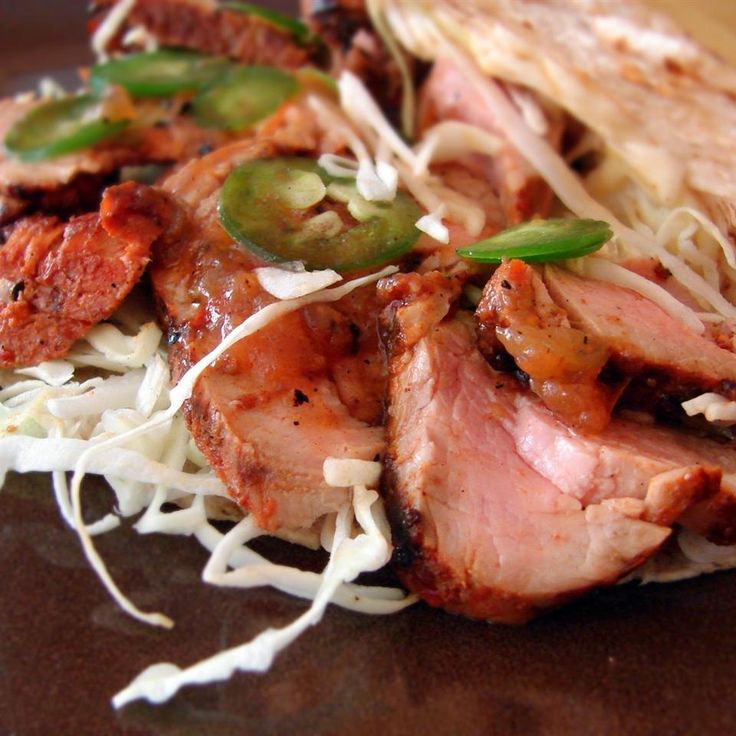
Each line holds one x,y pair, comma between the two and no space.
651,660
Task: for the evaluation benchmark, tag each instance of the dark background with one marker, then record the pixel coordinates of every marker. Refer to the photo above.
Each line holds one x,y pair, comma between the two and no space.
653,660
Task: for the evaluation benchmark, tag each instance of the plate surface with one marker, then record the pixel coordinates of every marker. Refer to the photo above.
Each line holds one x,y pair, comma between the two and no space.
651,660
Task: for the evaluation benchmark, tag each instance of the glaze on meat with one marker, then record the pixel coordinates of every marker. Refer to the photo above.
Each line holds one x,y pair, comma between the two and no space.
585,345
641,336
516,317
269,412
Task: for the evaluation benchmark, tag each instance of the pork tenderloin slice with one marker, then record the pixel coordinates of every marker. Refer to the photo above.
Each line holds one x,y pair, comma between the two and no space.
207,28
73,183
448,94
58,280
479,531
276,404
63,185
640,335
633,460
270,450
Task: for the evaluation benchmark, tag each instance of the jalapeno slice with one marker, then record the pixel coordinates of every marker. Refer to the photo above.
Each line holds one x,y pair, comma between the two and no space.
541,240
61,126
242,97
159,73
277,209
315,80
296,28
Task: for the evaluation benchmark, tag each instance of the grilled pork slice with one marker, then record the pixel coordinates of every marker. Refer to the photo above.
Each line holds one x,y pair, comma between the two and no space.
71,184
205,27
642,464
640,334
447,94
63,185
478,530
58,280
566,332
268,412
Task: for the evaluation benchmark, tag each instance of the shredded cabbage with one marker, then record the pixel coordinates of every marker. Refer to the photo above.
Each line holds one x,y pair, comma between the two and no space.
110,27
351,554
124,425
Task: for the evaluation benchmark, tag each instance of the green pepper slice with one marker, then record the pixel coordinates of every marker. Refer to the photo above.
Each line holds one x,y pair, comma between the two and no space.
313,79
61,126
268,205
296,28
541,240
242,97
159,73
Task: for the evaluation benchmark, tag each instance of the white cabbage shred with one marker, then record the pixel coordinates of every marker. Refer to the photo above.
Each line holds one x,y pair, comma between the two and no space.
714,407
110,27
350,555
291,283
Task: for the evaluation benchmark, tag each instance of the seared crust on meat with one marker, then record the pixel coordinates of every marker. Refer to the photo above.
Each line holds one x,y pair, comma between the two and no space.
211,30
414,304
81,194
584,345
664,356
64,185
57,280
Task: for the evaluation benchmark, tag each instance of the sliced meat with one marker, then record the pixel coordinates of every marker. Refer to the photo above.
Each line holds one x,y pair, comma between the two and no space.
73,183
163,133
448,95
516,317
414,304
631,460
584,345
63,185
81,194
207,28
478,530
642,337
57,280
269,412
